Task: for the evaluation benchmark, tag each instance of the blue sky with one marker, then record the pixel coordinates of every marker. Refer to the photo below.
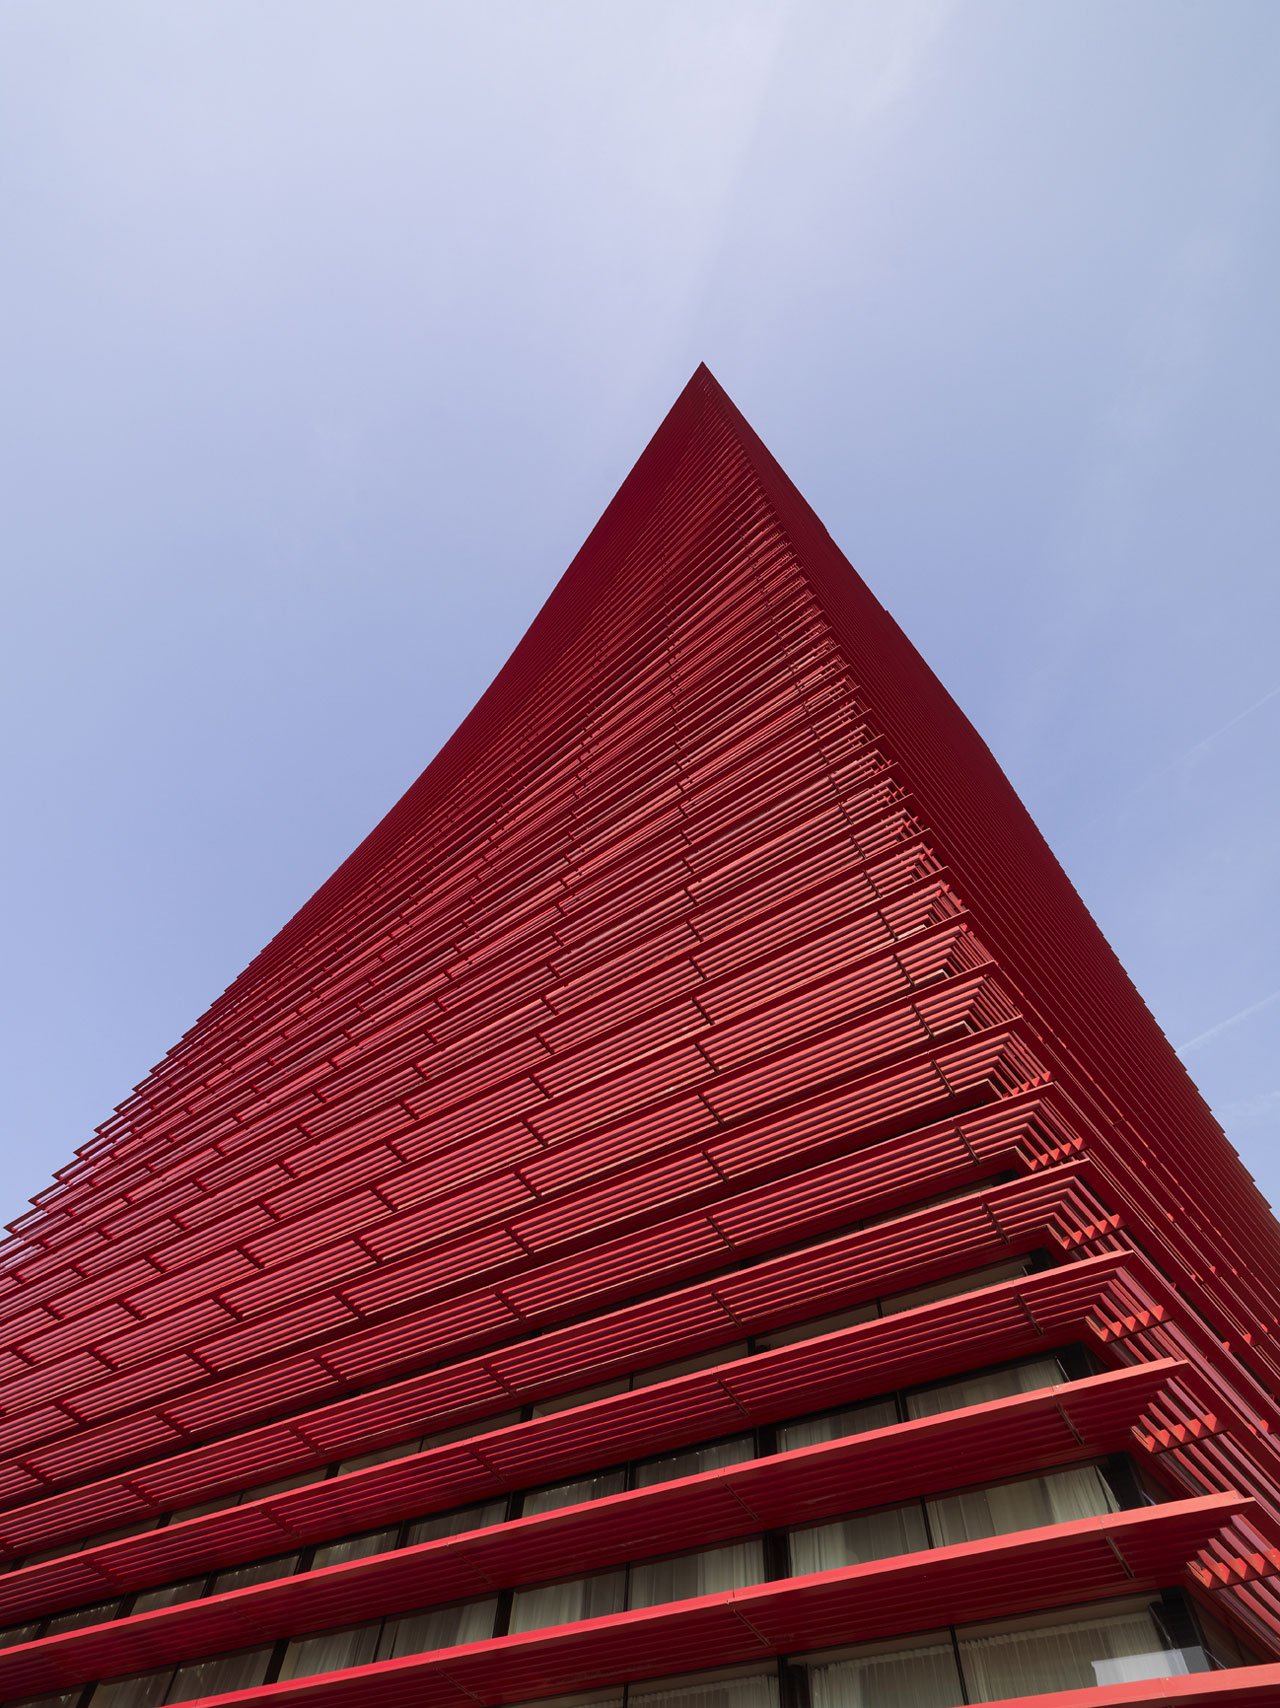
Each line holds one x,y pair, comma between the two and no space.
331,327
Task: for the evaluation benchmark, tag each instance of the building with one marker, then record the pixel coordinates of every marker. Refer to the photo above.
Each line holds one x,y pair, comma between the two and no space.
692,1211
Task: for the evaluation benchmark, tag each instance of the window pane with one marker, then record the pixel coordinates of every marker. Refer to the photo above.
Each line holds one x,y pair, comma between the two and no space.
565,1603
1023,1660
442,1524
693,1460
987,1385
221,1672
923,1677
754,1690
953,1288
202,1507
330,1651
815,1326
78,1617
1055,1499
468,1431
142,1691
281,1485
168,1595
835,1425
437,1628
18,1634
257,1571
707,1573
570,1494
355,1548
584,1396
854,1541
378,1456
684,1366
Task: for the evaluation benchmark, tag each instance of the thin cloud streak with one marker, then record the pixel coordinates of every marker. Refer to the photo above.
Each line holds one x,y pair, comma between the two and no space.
1226,1025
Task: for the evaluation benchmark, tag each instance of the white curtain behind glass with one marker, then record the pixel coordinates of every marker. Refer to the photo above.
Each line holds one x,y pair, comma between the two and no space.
437,1628
257,1571
759,1690
708,1573
994,1385
443,1524
564,1603
953,1287
1071,1656
696,1459
139,1692
910,1678
220,1673
835,1425
168,1595
583,1396
570,1494
696,1361
79,1617
330,1651
853,1541
354,1548
1055,1499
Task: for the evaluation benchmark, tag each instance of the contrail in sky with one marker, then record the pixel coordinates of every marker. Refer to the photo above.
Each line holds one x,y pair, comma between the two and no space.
1225,1025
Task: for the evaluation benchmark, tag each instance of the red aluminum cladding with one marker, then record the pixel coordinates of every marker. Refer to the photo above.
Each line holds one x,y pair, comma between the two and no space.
710,982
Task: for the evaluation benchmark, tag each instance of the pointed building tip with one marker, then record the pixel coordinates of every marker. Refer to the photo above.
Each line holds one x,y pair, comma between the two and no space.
703,381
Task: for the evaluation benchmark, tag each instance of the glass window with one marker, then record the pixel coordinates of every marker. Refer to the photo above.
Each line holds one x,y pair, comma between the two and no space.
572,1494
181,1514
712,1690
1054,1499
442,1524
377,1456
437,1628
565,1603
78,1617
688,1575
420,1443
685,1366
815,1326
256,1571
1025,1657
885,1675
19,1634
143,1690
985,1385
465,1431
330,1651
281,1485
856,1540
583,1397
600,1699
835,1425
219,1673
692,1460
954,1287
354,1548
168,1595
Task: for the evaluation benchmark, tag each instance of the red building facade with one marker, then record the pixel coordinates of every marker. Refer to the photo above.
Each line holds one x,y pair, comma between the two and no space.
691,1215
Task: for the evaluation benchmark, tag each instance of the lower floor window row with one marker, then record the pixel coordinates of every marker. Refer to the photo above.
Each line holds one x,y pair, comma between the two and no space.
888,1306
1076,1492
1103,1643
973,1389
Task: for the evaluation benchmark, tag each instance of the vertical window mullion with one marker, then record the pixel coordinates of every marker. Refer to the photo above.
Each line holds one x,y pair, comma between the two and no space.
959,1663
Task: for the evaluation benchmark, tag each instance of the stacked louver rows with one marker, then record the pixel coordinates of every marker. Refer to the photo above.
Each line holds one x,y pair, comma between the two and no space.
691,1213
